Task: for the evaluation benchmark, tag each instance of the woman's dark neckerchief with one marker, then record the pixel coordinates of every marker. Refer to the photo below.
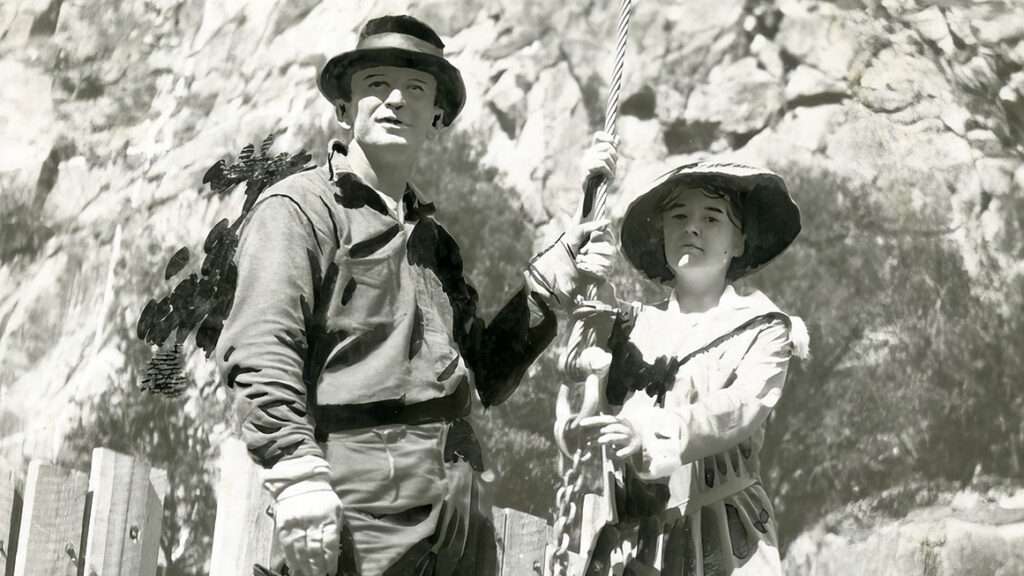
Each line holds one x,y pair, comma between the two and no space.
629,372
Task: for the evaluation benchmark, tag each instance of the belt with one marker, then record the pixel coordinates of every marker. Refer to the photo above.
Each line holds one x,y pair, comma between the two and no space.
339,418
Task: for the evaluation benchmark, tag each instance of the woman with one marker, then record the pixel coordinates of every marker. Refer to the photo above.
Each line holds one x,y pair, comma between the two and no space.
698,374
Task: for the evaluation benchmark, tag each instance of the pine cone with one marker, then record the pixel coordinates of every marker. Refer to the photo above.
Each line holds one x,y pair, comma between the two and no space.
165,373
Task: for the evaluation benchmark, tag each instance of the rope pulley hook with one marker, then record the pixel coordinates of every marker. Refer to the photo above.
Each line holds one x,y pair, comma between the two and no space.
582,336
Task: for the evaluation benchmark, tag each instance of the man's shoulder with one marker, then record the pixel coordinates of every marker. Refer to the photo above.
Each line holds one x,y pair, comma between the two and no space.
305,187
310,192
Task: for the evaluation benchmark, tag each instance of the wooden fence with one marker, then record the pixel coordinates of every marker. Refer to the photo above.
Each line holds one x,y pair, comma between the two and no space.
244,532
65,523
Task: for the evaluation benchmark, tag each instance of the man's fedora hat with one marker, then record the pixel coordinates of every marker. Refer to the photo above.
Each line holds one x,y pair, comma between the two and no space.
404,42
770,217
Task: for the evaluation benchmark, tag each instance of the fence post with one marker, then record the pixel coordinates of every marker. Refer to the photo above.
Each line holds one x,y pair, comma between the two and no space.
244,532
125,516
592,519
10,518
521,538
50,537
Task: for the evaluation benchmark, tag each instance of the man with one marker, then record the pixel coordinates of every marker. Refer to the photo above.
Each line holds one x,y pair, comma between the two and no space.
354,340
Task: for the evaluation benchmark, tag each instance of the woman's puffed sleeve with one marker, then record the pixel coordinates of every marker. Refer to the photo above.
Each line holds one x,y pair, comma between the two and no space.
682,433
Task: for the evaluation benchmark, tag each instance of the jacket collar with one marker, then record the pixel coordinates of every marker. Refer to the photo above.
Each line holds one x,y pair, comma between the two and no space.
732,305
734,311
416,205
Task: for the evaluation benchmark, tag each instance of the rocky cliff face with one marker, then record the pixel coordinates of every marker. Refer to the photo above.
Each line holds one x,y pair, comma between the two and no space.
111,112
970,532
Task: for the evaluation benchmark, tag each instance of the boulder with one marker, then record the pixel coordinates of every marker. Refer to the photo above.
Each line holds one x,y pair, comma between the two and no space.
449,17
959,21
739,97
824,38
1011,97
806,127
940,541
28,125
543,163
902,160
997,22
75,189
985,141
955,118
768,54
897,79
674,47
507,101
806,83
996,174
979,73
931,24
1016,54
19,21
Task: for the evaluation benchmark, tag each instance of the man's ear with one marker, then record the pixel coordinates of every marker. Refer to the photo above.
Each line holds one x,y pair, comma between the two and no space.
436,125
343,112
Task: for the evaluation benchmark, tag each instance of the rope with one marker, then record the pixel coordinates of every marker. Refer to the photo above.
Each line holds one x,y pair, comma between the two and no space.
571,477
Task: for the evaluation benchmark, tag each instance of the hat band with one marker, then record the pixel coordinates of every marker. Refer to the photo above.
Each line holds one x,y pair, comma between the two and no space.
401,41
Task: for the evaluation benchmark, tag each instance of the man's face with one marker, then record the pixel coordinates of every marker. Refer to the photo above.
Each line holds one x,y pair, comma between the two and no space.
392,107
700,233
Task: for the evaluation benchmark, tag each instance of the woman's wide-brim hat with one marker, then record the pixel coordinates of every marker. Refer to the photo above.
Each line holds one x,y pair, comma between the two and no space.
403,42
771,219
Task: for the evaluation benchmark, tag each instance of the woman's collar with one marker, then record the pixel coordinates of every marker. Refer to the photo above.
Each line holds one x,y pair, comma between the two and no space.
731,304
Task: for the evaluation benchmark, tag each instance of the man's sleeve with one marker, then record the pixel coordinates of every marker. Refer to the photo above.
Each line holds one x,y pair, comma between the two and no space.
526,325
262,348
509,344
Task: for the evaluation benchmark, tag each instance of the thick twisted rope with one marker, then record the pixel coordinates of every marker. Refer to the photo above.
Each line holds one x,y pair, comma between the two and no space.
611,112
571,467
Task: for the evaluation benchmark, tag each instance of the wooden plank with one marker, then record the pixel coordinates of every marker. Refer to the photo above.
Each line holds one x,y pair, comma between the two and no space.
576,563
244,531
499,517
124,518
592,518
574,568
522,543
10,519
153,530
50,537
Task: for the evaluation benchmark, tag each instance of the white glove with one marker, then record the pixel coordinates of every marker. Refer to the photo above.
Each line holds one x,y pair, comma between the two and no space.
601,158
309,527
554,274
308,513
597,255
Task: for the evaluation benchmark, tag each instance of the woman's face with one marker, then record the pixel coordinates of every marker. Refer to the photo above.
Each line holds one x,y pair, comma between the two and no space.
700,236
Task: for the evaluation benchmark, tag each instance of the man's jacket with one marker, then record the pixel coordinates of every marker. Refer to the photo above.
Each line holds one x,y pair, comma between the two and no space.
347,318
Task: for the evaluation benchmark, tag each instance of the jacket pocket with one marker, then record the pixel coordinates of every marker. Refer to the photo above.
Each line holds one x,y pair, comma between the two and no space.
371,289
388,469
434,351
